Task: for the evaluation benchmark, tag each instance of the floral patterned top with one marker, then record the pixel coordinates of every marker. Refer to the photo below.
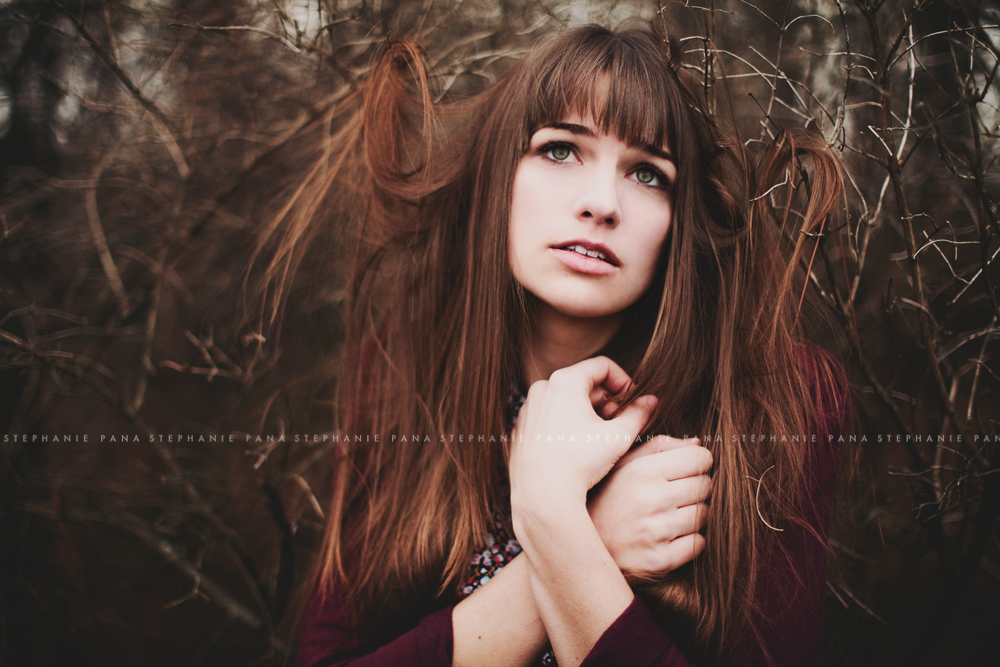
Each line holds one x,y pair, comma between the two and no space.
499,548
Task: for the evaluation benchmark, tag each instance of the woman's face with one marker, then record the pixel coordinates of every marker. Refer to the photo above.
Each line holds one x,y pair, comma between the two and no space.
589,215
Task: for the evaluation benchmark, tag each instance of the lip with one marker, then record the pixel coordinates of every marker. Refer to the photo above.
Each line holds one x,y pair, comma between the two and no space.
583,263
590,245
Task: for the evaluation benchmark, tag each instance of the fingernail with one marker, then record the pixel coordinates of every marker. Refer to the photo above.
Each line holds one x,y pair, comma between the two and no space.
651,401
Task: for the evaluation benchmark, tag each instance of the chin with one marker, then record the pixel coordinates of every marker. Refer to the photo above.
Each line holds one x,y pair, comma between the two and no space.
585,309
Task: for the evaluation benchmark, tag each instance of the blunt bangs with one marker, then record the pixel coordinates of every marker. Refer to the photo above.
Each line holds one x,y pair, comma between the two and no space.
619,80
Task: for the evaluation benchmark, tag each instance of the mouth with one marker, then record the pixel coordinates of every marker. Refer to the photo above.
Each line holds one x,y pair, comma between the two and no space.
588,249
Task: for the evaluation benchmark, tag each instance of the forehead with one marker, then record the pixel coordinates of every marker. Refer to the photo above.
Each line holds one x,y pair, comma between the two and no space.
625,90
586,126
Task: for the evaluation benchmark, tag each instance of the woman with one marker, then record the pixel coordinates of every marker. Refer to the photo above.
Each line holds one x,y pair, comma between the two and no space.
580,229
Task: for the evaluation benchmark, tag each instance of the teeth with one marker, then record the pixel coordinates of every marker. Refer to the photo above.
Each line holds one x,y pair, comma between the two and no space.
589,253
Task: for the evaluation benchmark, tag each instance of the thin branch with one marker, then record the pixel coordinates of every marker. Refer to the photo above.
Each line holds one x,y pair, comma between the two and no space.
295,48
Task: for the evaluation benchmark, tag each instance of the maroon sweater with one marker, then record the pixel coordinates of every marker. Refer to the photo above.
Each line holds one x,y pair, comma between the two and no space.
792,600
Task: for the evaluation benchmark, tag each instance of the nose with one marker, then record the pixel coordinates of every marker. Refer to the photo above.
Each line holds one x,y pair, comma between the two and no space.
598,199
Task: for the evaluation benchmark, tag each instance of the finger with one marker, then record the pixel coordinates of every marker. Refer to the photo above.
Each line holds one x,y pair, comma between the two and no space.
597,371
537,389
683,462
660,443
599,397
666,442
633,418
690,490
608,409
686,520
681,551
653,446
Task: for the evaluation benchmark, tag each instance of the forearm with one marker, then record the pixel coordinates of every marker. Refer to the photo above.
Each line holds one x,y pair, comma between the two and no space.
555,460
578,589
499,624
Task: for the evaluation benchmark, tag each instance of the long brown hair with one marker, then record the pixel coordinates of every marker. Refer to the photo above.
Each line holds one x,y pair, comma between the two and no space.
433,320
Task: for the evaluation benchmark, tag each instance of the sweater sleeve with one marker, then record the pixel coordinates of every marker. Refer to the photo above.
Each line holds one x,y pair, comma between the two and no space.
635,639
329,639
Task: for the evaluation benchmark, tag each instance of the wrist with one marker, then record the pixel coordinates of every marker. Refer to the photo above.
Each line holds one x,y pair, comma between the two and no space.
577,604
550,522
481,636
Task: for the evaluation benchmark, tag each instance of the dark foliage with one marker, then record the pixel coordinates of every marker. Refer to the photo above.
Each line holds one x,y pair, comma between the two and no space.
141,146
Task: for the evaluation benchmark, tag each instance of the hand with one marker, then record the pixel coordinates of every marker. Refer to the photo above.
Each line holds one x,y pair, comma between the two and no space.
650,507
561,447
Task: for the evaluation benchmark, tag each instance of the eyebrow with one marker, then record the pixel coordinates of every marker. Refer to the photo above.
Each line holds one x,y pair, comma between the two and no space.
584,131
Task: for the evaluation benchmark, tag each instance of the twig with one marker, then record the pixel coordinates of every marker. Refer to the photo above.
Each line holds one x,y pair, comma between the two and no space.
241,28
975,376
101,241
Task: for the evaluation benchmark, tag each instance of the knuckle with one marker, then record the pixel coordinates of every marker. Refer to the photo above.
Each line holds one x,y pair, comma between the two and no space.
660,443
649,446
672,496
704,457
651,479
667,559
645,497
701,516
646,534
560,377
685,549
656,562
537,388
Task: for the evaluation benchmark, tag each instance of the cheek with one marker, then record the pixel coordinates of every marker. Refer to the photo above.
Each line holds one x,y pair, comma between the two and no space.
650,241
530,205
527,197
519,227
514,253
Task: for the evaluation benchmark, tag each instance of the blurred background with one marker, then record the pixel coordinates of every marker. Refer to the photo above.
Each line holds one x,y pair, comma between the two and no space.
145,517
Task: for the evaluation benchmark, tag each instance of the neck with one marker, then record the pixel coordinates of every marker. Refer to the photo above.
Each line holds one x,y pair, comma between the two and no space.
556,340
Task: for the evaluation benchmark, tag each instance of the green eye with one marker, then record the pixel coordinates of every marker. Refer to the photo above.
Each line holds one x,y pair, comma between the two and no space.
645,176
559,153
